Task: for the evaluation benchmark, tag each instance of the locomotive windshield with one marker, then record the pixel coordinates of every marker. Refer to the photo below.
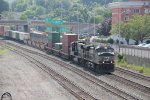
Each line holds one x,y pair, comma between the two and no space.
105,49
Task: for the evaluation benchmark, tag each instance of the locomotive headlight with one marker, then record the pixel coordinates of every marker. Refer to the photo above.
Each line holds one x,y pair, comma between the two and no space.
99,53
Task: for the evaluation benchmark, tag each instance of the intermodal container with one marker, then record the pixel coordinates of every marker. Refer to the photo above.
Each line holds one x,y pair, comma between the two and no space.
50,45
58,46
10,34
39,37
2,31
65,49
24,36
68,38
54,37
7,33
17,35
14,34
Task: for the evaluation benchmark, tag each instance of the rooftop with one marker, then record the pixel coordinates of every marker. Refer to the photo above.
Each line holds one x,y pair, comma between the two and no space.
129,4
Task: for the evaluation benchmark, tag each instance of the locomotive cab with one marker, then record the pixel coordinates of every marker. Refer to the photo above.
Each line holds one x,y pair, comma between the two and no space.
106,54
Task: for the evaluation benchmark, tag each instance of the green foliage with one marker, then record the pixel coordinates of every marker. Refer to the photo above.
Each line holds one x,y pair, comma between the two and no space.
111,41
100,40
69,10
121,61
4,6
136,28
104,28
3,51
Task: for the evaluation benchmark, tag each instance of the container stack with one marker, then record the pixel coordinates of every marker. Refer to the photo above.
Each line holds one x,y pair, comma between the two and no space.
58,46
10,34
2,30
53,37
66,41
39,39
14,34
17,35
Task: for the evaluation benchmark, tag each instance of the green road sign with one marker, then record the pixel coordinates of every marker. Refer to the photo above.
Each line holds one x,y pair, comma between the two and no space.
64,30
57,22
49,29
48,20
53,21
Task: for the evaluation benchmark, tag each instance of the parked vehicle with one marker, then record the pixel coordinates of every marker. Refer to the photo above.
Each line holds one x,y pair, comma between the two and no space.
147,46
141,45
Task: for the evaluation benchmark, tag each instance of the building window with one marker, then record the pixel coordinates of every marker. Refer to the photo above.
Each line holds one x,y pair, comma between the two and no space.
137,11
126,18
147,11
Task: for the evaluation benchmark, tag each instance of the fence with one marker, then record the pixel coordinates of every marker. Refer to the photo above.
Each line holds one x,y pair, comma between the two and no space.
134,54
132,51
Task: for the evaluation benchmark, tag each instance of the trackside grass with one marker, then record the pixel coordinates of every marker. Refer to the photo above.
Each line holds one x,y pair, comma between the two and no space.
3,51
141,69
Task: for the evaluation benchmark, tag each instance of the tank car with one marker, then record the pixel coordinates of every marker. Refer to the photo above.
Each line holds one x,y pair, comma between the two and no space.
97,57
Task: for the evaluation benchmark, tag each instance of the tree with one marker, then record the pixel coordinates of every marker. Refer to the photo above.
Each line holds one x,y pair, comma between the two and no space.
136,28
4,6
104,28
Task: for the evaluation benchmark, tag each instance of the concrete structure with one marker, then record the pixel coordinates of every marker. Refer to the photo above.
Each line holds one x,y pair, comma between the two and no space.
123,11
82,28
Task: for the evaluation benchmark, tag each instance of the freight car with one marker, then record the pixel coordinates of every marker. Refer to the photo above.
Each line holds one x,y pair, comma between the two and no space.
1,30
16,35
97,57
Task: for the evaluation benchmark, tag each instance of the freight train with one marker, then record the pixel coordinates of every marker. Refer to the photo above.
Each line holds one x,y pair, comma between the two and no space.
99,58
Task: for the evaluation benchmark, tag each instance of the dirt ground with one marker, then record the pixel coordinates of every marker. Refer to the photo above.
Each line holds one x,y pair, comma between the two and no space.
26,82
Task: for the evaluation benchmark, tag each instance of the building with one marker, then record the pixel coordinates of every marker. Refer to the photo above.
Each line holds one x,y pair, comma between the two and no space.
123,11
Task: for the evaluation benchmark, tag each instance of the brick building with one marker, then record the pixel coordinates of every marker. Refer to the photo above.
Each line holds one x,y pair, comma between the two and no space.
122,11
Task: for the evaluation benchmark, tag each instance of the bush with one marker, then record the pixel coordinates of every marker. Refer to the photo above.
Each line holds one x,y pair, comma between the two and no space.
141,70
117,41
100,40
120,57
111,41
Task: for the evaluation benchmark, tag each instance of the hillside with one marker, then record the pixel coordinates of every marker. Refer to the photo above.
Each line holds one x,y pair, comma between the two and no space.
69,10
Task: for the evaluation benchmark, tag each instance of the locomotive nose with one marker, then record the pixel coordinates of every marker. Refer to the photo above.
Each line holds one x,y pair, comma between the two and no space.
106,58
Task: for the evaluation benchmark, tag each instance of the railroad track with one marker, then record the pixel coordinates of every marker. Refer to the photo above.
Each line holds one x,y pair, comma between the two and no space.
127,82
63,81
132,74
109,88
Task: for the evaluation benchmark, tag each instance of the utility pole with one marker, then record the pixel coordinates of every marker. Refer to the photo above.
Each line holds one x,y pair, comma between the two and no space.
94,26
61,10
